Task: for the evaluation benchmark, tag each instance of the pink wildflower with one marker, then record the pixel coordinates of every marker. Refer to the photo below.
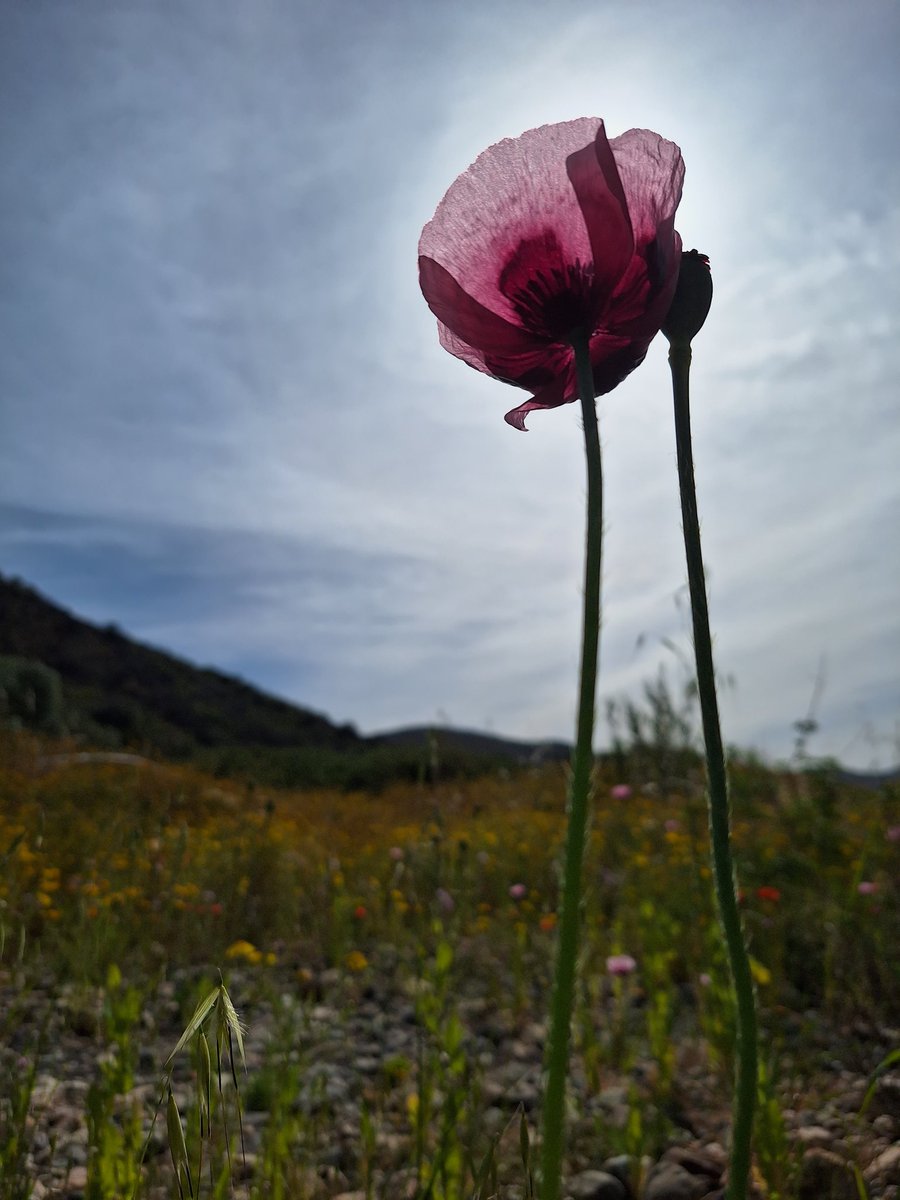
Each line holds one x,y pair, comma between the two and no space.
620,964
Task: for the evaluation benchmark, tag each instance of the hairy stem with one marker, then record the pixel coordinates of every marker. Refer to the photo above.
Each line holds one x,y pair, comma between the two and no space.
557,1063
717,781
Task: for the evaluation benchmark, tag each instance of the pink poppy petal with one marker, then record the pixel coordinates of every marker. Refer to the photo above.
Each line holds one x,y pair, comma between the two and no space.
476,325
531,371
644,294
598,189
613,359
652,173
551,396
513,193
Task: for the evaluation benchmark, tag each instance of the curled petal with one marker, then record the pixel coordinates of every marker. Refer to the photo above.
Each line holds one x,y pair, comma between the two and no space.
601,197
552,396
474,324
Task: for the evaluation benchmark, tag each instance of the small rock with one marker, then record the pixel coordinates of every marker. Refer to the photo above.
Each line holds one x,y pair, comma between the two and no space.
886,1100
76,1181
596,1185
669,1181
520,1050
825,1176
367,1065
697,1162
509,1087
717,1153
612,1097
814,1135
850,1098
623,1167
886,1167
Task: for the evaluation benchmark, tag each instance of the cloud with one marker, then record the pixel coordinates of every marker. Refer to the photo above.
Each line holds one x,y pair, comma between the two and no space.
228,425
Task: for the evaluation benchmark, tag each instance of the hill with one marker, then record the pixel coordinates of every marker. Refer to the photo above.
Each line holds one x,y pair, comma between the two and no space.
124,693
444,740
64,675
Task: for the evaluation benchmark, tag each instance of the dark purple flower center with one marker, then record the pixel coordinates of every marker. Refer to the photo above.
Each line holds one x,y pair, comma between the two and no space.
551,297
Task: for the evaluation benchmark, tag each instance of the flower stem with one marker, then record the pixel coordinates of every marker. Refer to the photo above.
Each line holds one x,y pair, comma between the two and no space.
557,1062
717,781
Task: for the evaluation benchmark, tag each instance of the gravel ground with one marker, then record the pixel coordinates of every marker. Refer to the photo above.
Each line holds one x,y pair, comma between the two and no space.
345,1041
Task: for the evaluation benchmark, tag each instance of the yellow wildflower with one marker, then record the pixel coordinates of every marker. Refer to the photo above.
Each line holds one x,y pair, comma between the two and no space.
245,950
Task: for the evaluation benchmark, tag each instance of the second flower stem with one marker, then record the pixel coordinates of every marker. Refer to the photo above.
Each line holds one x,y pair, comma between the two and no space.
717,782
553,1147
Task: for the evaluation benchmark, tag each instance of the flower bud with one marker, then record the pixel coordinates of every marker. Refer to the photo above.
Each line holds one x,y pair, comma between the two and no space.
692,299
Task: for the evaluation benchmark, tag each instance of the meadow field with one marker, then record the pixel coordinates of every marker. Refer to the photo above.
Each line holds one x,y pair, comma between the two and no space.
390,958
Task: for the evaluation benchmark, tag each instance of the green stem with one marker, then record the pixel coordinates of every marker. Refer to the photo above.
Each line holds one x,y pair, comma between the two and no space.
557,1064
717,779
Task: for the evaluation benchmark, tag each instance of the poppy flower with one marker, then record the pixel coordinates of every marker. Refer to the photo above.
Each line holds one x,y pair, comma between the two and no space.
557,231
771,894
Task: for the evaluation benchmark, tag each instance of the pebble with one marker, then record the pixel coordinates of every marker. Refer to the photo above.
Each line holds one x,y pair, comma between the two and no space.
814,1135
669,1181
886,1100
596,1185
885,1168
622,1166
76,1181
884,1125
825,1176
342,1050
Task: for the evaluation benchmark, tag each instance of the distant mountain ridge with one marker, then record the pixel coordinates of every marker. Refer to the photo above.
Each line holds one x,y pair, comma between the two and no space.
471,741
120,693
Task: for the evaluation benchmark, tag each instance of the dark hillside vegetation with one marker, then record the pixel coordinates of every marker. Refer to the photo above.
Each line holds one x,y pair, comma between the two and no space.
65,676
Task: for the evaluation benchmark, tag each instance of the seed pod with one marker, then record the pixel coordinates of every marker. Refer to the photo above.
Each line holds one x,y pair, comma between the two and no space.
691,302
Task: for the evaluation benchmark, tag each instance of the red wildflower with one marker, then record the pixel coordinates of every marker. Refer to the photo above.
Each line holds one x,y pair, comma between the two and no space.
556,231
360,912
768,893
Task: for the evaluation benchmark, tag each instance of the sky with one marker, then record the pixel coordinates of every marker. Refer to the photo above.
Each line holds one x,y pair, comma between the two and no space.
227,426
